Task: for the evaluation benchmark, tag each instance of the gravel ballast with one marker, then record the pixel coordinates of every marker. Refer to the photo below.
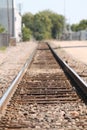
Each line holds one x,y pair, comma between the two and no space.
69,116
11,61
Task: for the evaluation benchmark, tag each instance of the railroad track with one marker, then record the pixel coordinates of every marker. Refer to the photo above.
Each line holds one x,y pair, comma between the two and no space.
79,67
44,83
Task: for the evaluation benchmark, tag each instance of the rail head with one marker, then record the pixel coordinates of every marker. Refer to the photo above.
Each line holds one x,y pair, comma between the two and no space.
77,79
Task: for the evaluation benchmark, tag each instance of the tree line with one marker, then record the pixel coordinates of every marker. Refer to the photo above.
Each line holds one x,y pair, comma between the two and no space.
43,25
82,25
46,25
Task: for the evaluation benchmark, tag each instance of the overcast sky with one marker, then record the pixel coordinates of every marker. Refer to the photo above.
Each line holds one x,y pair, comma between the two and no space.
74,10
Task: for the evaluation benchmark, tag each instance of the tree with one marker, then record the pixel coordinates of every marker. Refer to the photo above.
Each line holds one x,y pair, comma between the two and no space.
26,34
57,24
2,29
27,20
44,25
82,25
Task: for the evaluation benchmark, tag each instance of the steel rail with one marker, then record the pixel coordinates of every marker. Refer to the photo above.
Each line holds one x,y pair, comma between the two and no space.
77,79
9,92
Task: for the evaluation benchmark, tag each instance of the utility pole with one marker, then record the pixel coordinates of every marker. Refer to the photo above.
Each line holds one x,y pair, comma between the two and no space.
65,16
8,23
8,18
20,6
65,29
12,18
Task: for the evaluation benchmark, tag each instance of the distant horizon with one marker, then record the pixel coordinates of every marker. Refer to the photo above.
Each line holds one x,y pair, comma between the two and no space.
74,11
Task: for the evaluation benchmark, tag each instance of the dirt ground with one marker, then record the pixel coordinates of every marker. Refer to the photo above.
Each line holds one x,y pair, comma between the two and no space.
77,49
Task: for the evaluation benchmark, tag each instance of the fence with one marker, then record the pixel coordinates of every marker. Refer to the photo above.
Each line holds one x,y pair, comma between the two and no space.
80,35
4,39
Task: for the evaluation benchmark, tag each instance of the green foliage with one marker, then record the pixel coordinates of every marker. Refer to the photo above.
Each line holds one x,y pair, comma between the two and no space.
2,48
44,25
81,26
2,29
27,19
26,33
57,24
41,27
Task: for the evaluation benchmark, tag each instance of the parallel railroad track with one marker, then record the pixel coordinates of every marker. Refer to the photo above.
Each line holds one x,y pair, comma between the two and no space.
43,83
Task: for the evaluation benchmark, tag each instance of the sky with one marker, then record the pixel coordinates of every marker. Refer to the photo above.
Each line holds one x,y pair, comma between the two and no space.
73,10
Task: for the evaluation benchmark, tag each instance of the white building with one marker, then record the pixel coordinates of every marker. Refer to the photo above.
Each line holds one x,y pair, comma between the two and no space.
17,25
10,18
